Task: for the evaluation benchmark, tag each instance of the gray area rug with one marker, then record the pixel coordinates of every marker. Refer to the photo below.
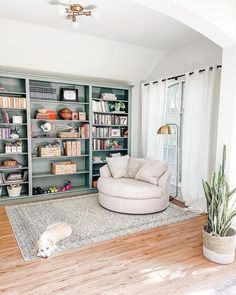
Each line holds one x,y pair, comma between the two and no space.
90,222
228,288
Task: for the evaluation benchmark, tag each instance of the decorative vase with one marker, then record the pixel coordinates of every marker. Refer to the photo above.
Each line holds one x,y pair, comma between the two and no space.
219,249
65,114
117,108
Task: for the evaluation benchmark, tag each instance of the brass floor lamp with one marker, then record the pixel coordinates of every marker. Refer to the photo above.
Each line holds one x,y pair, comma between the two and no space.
167,130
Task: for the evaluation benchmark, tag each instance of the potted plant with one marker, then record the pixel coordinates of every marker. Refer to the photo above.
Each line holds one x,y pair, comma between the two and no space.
218,236
117,106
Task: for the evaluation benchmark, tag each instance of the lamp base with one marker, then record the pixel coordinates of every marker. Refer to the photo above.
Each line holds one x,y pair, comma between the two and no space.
171,198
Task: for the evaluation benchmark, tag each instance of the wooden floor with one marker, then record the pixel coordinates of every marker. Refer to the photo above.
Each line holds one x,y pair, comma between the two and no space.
166,260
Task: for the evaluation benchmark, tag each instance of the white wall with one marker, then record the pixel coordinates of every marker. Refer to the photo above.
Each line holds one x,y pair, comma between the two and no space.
195,55
43,49
35,47
214,19
227,112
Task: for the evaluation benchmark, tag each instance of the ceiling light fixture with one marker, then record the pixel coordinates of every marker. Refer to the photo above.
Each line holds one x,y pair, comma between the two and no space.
73,11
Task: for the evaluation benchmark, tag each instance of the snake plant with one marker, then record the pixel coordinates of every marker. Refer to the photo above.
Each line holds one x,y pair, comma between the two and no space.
221,204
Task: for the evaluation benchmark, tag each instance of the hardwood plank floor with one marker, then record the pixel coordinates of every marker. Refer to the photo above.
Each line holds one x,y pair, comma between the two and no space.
165,260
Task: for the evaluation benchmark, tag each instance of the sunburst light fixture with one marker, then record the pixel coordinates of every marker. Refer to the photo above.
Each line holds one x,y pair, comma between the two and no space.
73,11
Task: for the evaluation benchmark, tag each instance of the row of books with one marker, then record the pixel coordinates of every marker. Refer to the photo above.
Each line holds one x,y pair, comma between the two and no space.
43,93
84,131
5,133
100,119
12,102
100,106
4,118
101,131
102,144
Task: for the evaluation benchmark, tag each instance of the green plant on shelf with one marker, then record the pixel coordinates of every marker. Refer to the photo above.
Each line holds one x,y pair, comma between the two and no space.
117,106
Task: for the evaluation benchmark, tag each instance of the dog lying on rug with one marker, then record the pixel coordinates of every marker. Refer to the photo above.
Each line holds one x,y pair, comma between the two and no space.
54,233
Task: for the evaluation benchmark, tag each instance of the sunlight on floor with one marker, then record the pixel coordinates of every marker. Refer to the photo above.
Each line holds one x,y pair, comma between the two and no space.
203,292
163,273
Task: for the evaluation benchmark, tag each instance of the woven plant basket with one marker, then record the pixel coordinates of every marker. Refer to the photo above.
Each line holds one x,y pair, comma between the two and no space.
218,249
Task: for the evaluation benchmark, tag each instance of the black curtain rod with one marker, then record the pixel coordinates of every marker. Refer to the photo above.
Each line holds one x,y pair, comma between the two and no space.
179,76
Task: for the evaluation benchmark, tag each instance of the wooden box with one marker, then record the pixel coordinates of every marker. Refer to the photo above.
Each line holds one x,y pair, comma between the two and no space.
66,134
63,168
68,151
49,152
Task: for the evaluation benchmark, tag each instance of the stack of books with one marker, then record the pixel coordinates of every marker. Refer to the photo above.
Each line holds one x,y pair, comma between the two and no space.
101,131
100,106
12,102
100,119
5,133
46,93
108,96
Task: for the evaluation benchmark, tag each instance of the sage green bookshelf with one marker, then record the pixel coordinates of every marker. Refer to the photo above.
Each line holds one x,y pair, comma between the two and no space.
31,135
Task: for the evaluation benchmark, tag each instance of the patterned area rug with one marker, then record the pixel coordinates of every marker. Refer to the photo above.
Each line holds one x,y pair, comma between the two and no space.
90,222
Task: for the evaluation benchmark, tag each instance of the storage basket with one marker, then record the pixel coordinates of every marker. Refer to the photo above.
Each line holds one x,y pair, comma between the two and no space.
14,191
63,168
49,152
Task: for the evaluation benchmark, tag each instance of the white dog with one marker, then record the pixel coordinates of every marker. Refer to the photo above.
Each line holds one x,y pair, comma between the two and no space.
54,233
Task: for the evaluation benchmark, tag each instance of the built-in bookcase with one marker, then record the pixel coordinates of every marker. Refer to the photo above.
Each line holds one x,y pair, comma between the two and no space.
32,136
41,166
110,134
13,102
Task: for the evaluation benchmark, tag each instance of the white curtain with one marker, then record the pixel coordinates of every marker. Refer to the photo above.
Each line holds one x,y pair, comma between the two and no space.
153,111
201,100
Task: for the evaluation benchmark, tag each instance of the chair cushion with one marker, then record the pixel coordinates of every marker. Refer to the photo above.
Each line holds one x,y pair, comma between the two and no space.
118,166
151,171
133,167
128,188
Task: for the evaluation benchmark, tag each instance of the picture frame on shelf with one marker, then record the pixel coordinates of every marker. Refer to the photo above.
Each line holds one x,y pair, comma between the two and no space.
115,133
68,94
75,116
123,120
82,116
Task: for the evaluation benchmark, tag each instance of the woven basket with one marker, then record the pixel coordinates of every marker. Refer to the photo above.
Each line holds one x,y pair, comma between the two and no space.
218,249
68,134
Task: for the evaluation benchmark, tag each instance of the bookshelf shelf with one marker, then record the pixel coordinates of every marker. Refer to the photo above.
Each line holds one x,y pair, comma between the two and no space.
11,93
13,124
13,139
6,184
13,169
36,175
111,137
58,138
75,189
111,113
60,157
110,150
60,120
107,125
12,154
14,109
31,93
34,100
111,100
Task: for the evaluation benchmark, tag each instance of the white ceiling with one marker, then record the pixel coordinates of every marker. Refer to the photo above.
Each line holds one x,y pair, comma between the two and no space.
120,20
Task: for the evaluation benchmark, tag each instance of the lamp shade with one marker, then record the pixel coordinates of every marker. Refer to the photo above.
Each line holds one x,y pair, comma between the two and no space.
165,129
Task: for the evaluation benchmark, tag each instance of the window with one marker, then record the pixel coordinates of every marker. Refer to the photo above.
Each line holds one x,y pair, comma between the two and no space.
174,114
